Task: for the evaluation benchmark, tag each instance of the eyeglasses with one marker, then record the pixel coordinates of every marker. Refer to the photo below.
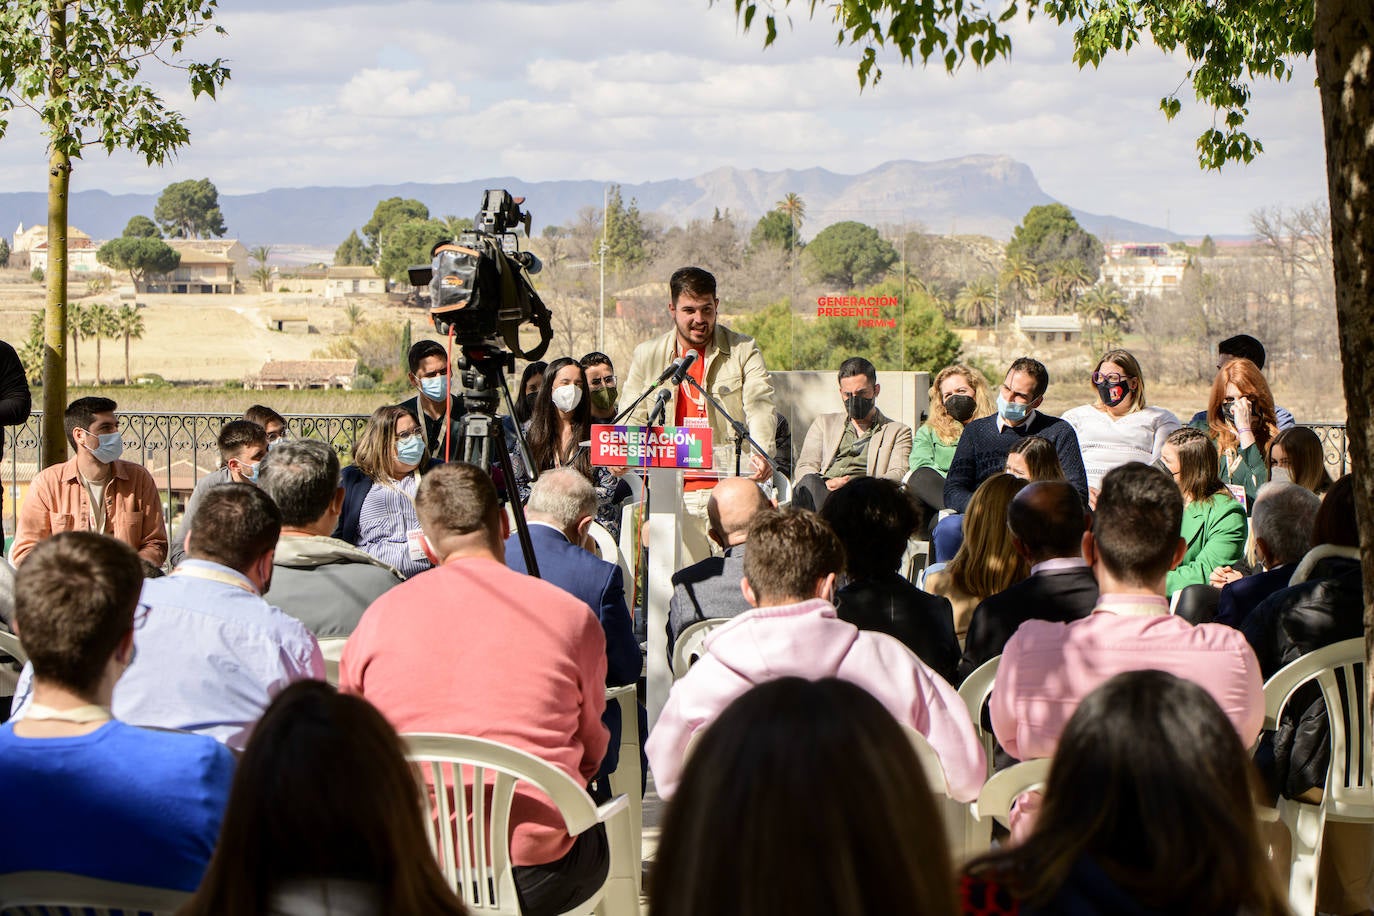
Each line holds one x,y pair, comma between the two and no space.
1111,378
278,436
415,433
604,382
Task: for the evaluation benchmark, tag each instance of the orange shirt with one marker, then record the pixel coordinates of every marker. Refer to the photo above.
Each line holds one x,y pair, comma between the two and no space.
57,501
691,411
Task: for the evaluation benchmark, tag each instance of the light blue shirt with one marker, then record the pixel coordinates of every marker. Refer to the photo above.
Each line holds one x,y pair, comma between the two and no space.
208,658
388,513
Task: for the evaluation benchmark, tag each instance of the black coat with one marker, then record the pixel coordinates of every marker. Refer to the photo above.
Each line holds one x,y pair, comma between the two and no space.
923,622
1326,608
1059,596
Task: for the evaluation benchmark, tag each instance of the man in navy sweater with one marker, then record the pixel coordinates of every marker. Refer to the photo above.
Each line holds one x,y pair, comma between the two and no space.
984,445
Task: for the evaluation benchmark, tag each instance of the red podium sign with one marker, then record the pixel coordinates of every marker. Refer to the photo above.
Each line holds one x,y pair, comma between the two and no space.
686,447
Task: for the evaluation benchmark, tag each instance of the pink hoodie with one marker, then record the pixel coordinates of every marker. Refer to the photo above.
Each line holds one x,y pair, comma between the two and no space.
808,640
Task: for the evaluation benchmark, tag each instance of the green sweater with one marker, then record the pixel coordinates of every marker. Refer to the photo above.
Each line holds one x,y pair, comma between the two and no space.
927,451
1215,531
1248,472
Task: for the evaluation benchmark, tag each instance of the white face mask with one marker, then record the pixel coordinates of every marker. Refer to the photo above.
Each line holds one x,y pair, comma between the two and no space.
567,397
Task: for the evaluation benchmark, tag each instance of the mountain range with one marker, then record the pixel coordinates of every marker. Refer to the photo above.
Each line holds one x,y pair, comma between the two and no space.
986,195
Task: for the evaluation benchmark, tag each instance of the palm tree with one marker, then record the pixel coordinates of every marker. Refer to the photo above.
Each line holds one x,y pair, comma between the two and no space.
101,324
975,302
264,273
1065,278
1020,278
77,323
795,208
1105,305
130,325
353,311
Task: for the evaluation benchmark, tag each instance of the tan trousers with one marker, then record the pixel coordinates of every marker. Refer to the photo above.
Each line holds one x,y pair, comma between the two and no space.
696,545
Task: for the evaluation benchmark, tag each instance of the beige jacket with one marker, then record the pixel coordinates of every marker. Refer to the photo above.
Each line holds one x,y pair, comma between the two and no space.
735,376
888,454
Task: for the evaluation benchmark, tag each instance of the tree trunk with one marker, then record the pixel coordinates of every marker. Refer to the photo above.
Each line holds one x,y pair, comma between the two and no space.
54,448
128,380
98,382
76,356
1344,35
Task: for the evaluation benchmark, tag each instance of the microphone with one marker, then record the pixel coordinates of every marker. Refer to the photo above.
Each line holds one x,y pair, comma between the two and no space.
660,406
676,368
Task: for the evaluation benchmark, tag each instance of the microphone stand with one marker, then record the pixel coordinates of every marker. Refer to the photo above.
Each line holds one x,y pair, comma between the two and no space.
741,431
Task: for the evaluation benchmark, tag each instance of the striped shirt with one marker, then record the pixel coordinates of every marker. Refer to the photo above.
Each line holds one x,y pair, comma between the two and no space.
388,512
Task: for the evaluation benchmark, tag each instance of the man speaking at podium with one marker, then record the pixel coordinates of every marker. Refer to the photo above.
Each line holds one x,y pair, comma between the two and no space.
730,367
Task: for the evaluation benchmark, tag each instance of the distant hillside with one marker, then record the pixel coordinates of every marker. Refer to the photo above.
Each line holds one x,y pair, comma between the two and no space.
985,195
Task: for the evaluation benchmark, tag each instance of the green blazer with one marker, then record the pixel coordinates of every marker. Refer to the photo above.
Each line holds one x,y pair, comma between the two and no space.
1215,530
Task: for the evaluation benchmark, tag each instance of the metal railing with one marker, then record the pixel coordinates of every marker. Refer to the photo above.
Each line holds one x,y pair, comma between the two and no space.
178,448
1335,446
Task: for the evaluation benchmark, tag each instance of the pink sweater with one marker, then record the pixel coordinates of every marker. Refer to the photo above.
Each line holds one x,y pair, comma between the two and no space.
473,648
808,640
1047,668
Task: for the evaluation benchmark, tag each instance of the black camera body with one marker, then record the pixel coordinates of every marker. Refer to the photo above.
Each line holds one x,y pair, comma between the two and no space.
479,284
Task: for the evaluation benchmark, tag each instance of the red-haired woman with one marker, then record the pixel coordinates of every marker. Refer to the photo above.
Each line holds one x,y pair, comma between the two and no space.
1241,422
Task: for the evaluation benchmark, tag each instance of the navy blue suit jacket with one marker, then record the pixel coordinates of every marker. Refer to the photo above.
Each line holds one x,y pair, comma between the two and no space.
1241,597
601,586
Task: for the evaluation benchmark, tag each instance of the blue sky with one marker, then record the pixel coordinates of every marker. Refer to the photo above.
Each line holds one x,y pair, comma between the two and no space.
359,93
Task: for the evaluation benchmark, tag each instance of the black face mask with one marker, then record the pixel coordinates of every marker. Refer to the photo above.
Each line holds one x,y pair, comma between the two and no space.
528,399
858,407
1113,395
960,407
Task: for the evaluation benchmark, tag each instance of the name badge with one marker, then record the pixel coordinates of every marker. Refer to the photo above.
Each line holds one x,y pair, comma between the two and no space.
415,545
1238,492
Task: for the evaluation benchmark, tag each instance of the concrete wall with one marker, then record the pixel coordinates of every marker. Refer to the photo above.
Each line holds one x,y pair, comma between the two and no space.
802,396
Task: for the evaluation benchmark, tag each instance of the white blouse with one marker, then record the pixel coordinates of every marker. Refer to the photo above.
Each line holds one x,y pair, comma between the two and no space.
1108,442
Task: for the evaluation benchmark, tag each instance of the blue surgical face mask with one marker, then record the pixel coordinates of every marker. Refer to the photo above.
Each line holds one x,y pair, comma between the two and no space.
411,451
110,448
435,387
250,470
1011,411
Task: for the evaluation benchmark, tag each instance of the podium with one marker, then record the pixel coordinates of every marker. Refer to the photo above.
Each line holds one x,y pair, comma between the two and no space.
663,453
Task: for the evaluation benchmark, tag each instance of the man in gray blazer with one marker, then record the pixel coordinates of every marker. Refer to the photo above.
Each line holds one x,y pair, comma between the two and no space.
710,588
857,442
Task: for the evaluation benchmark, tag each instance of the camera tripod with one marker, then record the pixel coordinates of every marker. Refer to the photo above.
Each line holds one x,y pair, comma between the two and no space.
483,439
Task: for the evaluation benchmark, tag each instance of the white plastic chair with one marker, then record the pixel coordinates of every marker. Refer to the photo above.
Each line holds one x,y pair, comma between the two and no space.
476,858
782,489
10,645
606,547
331,647
688,647
1000,791
974,691
1349,795
627,778
967,837
52,892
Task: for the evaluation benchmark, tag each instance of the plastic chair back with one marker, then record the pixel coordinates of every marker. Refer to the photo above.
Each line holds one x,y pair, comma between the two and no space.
10,645
331,647
606,547
965,836
627,778
689,646
470,828
782,488
1000,791
974,691
51,892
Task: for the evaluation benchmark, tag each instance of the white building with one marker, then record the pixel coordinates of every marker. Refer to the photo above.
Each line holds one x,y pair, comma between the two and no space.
1150,270
29,249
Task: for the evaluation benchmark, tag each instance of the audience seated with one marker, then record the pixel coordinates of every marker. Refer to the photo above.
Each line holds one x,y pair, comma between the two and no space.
562,507
242,446
272,422
986,562
789,578
710,588
212,653
474,648
1046,521
959,394
320,580
1324,605
859,441
804,798
1213,521
1047,667
874,519
323,819
1118,426
983,447
1243,346
379,490
1034,458
1297,453
1149,810
1240,422
1282,524
86,793
94,491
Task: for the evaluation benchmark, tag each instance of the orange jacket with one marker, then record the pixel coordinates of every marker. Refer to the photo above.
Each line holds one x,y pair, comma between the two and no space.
57,501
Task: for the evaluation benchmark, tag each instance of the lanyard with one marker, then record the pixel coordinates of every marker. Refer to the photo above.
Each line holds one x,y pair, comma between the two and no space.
443,426
79,715
214,575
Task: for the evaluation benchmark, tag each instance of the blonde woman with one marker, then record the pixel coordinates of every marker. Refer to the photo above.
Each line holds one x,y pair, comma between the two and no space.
1118,426
379,491
986,563
960,394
